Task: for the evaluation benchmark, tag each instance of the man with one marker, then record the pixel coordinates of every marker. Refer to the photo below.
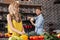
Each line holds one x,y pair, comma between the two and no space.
39,21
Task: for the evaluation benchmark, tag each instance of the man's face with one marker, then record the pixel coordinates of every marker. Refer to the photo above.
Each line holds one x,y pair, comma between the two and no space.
38,11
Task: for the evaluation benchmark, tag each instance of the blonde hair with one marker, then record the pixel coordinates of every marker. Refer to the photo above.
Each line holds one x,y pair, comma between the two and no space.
12,6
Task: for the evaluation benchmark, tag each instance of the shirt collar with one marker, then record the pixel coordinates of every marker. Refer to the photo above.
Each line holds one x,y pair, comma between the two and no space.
39,15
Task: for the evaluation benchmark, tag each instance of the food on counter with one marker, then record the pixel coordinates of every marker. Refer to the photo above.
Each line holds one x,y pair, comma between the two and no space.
8,34
58,35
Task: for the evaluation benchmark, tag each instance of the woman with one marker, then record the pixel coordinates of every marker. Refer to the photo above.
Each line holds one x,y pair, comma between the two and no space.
14,20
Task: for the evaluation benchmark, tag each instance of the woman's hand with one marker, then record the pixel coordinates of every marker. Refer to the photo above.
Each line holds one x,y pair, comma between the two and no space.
22,33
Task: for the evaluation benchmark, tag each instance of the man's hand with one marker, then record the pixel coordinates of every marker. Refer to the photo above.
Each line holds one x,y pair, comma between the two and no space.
29,18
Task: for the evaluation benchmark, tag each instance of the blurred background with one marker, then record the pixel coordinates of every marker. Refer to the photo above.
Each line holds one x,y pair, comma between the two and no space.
50,11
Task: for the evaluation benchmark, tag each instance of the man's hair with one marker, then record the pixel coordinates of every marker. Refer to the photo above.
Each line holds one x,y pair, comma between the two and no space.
39,8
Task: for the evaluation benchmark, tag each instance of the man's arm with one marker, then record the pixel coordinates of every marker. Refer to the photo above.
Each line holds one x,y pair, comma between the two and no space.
32,23
39,22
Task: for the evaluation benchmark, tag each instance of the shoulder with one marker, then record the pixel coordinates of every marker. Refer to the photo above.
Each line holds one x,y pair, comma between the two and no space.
8,16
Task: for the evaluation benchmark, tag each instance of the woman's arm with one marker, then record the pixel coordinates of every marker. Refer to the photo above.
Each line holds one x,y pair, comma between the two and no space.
22,27
11,25
23,30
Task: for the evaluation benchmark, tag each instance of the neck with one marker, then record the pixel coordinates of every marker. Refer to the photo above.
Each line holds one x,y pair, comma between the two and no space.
38,14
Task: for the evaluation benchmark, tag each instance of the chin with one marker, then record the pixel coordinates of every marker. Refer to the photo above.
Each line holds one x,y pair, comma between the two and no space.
37,14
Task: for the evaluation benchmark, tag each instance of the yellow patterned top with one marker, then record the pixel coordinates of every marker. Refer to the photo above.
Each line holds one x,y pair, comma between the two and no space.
17,25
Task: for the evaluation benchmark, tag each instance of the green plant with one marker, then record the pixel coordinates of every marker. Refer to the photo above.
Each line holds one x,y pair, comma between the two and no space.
48,36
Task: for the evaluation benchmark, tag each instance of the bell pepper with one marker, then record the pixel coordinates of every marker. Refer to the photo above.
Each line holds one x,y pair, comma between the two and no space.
24,37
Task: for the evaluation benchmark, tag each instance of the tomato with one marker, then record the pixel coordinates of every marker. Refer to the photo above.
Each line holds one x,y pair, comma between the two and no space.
31,37
41,37
36,37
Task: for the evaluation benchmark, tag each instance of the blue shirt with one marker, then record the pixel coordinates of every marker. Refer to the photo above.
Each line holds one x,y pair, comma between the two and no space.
39,23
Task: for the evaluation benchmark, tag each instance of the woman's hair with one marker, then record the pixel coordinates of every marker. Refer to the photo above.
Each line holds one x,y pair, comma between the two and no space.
12,6
11,9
